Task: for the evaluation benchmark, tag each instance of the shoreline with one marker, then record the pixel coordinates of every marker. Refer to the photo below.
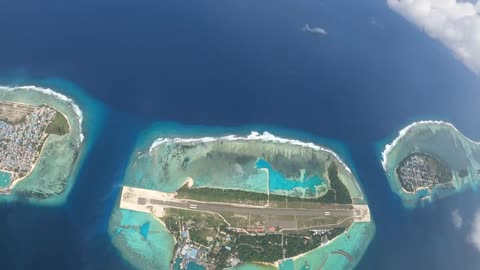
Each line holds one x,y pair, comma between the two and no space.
403,132
411,199
32,95
299,256
13,182
152,211
253,136
153,140
270,138
48,91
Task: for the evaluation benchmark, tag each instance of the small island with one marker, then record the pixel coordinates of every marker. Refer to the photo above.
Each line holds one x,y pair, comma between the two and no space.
37,127
430,160
231,201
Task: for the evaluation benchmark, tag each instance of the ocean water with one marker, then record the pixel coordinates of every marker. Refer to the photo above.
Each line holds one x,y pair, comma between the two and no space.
237,64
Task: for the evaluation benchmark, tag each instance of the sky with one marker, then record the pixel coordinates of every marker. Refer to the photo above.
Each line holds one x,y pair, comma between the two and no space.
454,23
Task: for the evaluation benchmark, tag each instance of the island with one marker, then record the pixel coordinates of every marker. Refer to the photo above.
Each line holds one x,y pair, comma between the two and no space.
40,139
430,160
232,201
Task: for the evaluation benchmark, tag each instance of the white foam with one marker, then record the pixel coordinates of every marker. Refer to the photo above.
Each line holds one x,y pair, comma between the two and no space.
254,136
57,95
404,131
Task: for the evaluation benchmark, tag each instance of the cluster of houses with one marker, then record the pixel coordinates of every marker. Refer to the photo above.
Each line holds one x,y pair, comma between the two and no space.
190,251
20,144
417,172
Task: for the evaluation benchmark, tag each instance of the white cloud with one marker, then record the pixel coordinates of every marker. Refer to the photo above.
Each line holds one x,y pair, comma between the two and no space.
474,236
455,23
315,30
457,219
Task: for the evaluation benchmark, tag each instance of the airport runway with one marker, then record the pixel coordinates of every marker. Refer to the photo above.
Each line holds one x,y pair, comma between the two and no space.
252,210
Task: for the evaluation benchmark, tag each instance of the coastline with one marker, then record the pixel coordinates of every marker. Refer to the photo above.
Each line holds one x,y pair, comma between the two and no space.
58,174
268,137
9,189
254,136
50,92
450,145
403,132
353,242
139,171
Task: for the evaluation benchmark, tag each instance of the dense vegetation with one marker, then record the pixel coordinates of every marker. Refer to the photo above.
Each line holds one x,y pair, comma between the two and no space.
220,195
298,244
342,195
59,125
266,248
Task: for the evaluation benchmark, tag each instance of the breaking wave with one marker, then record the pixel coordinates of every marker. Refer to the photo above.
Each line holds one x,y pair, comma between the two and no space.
57,95
405,130
254,136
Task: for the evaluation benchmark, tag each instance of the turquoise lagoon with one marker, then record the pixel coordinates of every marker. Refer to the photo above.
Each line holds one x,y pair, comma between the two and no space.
144,249
4,179
279,184
154,250
62,95
190,266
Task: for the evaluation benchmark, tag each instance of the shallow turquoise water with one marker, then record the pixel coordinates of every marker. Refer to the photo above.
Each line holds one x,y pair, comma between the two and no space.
194,266
279,183
190,265
4,179
141,239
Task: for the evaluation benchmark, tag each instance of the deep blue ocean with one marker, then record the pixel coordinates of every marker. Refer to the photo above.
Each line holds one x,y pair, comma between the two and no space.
238,63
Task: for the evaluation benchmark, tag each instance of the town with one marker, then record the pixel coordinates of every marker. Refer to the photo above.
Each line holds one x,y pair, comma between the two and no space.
222,247
420,170
22,134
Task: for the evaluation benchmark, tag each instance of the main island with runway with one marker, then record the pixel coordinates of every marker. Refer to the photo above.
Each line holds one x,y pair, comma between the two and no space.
40,139
247,202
